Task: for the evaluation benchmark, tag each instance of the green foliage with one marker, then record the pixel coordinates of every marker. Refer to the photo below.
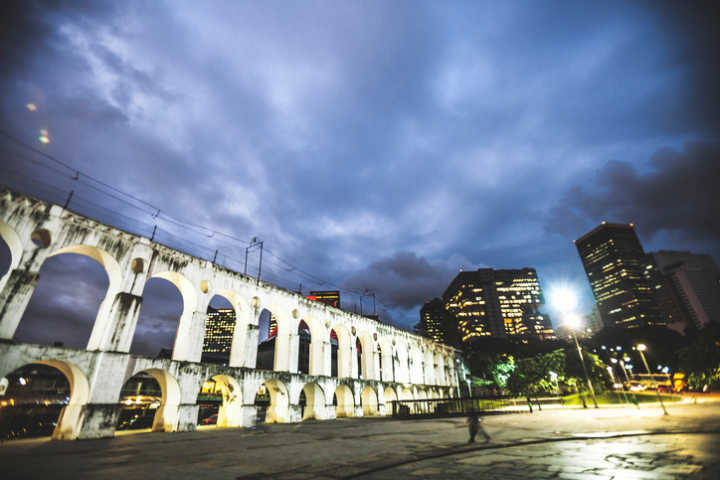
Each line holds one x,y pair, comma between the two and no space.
701,360
532,374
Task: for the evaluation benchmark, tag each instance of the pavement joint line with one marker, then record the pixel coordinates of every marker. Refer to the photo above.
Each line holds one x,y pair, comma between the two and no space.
524,443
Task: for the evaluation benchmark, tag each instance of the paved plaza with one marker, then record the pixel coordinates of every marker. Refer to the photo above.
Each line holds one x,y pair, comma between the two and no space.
621,443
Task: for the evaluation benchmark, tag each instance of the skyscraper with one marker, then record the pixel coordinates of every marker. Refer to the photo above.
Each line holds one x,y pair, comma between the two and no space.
614,261
219,328
437,323
686,285
498,303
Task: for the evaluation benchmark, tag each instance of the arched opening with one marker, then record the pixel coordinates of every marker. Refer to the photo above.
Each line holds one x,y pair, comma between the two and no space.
272,402
386,363
369,401
359,352
33,397
63,308
220,402
268,329
389,396
380,365
149,400
440,375
312,402
304,339
219,330
157,323
344,402
5,258
333,353
344,350
428,367
366,356
46,397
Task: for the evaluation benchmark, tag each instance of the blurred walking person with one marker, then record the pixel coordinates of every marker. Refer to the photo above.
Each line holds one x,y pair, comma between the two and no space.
474,427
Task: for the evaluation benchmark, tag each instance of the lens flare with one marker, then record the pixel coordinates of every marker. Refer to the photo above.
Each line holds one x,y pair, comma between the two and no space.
31,106
44,137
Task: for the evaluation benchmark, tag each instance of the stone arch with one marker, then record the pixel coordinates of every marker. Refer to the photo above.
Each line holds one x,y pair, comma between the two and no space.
369,401
267,341
69,422
221,322
315,402
440,376
166,415
12,240
387,359
186,345
344,401
230,411
389,396
344,351
406,393
304,339
318,342
415,364
66,273
278,410
367,358
428,368
402,368
421,394
108,262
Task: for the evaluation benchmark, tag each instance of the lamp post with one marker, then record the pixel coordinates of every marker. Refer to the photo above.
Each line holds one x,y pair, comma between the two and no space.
565,300
641,348
582,361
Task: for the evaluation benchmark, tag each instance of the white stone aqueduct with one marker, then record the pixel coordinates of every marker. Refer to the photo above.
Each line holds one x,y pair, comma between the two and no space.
395,364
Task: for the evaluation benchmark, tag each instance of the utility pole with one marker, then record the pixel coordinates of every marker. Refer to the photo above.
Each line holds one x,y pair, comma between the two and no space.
255,244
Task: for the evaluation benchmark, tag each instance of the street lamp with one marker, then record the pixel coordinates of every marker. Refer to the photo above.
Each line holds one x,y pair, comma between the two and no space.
566,300
641,348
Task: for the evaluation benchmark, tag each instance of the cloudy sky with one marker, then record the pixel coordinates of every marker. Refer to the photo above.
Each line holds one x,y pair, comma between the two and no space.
379,145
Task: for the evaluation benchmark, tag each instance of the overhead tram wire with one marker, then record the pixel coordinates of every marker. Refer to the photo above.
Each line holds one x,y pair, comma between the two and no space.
74,174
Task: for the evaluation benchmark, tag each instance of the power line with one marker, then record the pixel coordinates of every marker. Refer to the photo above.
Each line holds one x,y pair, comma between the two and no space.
155,212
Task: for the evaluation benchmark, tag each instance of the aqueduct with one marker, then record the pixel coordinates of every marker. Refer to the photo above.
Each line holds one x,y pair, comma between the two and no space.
394,364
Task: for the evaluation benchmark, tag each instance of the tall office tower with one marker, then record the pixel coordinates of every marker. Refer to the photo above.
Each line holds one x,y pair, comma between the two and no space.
614,262
437,323
498,303
520,296
686,285
593,321
219,328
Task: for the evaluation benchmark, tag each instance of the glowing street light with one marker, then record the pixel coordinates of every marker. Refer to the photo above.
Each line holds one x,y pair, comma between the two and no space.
565,300
641,347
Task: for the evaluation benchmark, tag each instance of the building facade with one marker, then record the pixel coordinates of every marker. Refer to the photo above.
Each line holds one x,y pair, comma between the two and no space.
219,330
686,286
437,323
614,262
498,303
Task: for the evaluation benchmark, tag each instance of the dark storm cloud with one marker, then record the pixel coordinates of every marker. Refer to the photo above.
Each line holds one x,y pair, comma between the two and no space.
693,38
371,144
405,280
677,195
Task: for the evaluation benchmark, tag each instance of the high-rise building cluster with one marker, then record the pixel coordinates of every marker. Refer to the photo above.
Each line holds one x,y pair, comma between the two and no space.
634,289
219,328
487,303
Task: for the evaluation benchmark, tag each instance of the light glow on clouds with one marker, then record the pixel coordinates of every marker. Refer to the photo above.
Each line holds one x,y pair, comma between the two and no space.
356,137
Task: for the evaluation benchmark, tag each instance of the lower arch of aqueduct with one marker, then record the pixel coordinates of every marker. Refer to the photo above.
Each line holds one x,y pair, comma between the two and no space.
395,364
